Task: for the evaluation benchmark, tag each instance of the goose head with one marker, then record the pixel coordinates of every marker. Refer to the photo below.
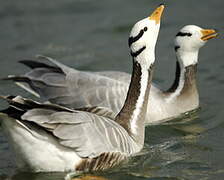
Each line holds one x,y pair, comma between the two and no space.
144,34
189,40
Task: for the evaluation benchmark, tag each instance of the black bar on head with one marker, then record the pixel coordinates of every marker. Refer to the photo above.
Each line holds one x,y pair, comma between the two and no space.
135,54
183,34
136,38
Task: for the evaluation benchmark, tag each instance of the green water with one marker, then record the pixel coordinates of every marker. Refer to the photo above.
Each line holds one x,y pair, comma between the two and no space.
92,35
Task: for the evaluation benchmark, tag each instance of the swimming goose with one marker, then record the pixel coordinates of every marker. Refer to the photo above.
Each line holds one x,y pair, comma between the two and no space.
69,87
48,137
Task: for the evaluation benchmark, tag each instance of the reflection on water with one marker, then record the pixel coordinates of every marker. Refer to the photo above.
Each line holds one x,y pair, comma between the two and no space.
92,35
34,176
85,177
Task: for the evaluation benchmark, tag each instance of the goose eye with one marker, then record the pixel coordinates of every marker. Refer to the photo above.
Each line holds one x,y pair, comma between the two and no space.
145,28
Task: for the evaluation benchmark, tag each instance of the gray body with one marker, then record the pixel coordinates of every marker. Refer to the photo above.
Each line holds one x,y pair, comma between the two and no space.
75,89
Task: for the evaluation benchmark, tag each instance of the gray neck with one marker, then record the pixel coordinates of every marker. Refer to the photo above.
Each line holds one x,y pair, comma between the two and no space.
132,115
185,77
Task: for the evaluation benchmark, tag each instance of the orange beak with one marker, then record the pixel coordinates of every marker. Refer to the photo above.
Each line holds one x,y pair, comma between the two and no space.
156,15
208,34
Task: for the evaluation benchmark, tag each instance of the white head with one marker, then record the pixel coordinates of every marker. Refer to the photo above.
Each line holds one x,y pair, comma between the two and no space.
144,35
189,40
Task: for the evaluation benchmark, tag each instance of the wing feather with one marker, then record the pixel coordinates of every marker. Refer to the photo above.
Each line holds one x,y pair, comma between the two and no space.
88,134
69,87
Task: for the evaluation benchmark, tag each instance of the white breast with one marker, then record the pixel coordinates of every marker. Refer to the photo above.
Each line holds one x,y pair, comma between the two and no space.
39,150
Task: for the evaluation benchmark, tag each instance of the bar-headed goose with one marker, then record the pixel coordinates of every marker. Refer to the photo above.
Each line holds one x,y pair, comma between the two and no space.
72,88
48,137
183,95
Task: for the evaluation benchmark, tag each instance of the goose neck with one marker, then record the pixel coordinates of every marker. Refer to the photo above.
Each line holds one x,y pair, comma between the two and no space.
185,77
132,115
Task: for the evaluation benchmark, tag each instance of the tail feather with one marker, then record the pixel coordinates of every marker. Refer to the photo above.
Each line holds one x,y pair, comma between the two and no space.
17,102
13,110
17,78
46,79
28,88
35,64
40,80
10,97
24,104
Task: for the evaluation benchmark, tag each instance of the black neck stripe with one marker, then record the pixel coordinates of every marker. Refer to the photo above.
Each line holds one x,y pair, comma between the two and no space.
135,54
131,40
183,34
176,48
